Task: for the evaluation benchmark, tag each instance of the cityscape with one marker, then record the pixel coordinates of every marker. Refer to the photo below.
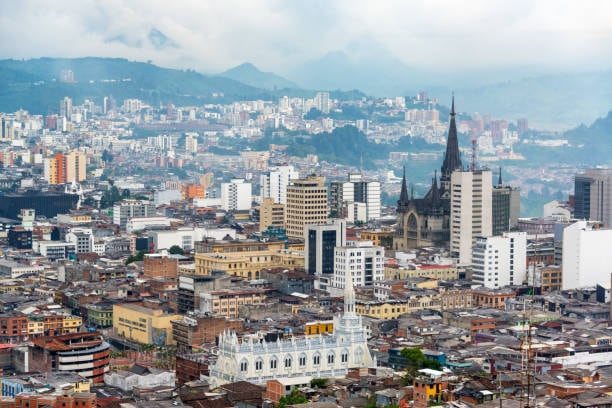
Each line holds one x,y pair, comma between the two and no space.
315,234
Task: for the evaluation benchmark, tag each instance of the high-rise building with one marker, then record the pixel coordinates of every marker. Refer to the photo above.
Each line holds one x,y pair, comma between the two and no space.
322,102
506,207
320,240
306,204
236,195
586,255
274,183
593,196
355,190
66,108
65,168
471,195
500,261
425,221
126,209
271,214
360,262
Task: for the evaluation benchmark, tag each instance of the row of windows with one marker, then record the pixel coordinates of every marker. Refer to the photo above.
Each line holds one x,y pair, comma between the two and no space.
273,363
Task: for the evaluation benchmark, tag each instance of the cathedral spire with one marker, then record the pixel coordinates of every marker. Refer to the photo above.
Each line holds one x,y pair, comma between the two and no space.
349,295
499,181
452,157
402,203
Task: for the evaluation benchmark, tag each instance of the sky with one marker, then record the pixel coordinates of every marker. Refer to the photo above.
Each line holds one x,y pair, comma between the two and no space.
276,35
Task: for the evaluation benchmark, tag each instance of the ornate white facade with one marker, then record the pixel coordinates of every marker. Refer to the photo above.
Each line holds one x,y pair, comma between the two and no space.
322,356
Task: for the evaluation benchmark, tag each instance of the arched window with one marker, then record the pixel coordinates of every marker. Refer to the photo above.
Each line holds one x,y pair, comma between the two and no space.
244,366
344,356
273,363
259,364
316,359
302,360
288,361
330,358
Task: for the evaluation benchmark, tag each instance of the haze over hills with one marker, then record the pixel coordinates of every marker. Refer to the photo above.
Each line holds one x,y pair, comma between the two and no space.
248,74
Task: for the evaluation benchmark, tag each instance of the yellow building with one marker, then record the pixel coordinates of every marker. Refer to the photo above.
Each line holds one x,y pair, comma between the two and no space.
247,265
71,324
378,237
439,272
392,309
326,326
271,214
306,204
143,324
36,327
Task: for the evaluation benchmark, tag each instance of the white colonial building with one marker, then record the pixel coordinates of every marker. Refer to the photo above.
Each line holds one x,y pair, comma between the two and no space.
321,356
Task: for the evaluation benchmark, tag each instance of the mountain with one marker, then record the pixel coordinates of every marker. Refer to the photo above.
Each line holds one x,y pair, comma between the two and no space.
34,85
248,74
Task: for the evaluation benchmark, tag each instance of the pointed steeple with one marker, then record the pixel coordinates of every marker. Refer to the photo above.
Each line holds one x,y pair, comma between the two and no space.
349,295
452,157
435,192
402,203
499,181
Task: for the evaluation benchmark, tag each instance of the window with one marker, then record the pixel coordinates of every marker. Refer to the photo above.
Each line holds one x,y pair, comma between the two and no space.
344,357
330,358
288,362
302,360
244,365
259,364
316,359
273,363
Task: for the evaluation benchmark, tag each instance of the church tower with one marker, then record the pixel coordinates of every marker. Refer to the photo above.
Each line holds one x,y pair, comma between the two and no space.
452,157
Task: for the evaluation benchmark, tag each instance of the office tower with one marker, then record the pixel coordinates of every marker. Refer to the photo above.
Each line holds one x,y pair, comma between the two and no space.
500,261
586,254
306,204
66,108
126,209
359,261
274,183
345,194
424,221
322,102
271,214
320,240
471,195
76,166
593,196
236,195
506,207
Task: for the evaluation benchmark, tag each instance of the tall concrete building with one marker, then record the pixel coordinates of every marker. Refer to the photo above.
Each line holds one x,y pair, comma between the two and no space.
345,197
506,207
274,183
65,167
359,263
306,204
500,261
593,196
320,240
66,108
271,214
471,215
587,258
126,209
236,195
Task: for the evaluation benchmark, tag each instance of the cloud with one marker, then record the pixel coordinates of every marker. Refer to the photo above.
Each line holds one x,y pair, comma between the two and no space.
212,36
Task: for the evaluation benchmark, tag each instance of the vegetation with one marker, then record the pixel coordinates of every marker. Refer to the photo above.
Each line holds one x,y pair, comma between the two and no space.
138,256
176,250
318,382
292,399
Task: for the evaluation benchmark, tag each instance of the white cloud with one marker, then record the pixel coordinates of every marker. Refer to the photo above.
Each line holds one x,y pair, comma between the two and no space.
275,34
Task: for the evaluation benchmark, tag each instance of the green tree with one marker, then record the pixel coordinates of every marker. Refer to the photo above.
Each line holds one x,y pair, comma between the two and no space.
318,382
176,250
138,256
292,399
414,356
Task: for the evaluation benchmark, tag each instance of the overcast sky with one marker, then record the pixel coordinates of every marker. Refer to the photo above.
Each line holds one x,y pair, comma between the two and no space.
211,36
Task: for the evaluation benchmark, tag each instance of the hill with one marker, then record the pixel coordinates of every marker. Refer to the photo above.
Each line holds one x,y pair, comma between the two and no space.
34,85
248,74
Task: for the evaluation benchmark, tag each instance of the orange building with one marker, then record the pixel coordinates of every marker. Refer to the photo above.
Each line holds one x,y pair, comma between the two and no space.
160,266
76,400
189,191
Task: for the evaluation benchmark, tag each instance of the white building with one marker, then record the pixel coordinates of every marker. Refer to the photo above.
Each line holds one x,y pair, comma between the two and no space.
151,378
274,183
587,258
359,260
236,195
500,261
356,199
126,209
254,360
82,238
186,237
471,212
141,223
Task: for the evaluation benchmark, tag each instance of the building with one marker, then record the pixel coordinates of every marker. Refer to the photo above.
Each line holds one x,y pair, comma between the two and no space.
160,266
271,214
194,330
359,260
346,195
274,183
505,207
86,354
593,196
426,221
143,324
256,360
126,209
236,195
228,302
82,238
19,238
471,195
586,255
43,203
319,242
65,167
306,204
248,264
500,261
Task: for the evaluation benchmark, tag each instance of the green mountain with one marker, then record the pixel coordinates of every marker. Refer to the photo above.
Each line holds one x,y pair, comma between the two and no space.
248,73
34,84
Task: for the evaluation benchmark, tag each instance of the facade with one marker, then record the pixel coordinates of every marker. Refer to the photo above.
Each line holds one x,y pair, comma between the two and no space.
593,196
82,238
471,212
319,242
160,266
228,302
247,265
324,356
236,195
586,255
306,204
65,167
271,214
274,183
361,261
500,261
426,221
505,207
344,195
126,209
143,324
194,330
